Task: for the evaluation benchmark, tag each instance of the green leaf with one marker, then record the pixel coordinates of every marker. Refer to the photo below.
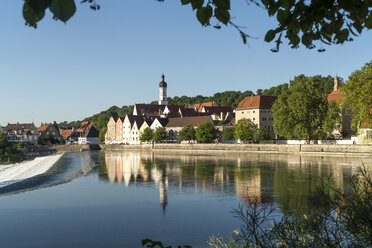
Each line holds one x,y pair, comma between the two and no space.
185,2
368,22
31,16
223,4
222,15
282,16
63,9
197,4
270,35
306,39
204,14
39,6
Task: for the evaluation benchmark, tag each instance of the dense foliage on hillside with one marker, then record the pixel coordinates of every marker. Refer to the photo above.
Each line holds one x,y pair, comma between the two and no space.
8,151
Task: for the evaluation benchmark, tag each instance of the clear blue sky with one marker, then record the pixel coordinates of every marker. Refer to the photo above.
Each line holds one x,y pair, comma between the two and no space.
116,57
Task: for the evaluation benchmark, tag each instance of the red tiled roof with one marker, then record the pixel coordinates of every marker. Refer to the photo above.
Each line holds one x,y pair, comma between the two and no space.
194,120
334,96
66,133
257,102
206,104
43,127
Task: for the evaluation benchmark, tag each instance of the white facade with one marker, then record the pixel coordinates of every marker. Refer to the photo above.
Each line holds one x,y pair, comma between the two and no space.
88,141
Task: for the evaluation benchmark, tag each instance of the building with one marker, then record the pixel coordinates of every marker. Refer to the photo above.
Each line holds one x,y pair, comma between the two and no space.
119,135
49,134
69,135
217,113
175,125
88,134
145,124
258,110
159,122
199,106
131,129
21,132
365,132
110,135
163,91
342,129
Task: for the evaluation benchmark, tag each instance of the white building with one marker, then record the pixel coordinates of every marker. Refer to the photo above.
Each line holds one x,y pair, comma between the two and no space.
163,91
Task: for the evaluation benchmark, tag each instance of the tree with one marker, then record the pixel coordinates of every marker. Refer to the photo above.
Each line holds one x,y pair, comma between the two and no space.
187,133
332,119
160,134
301,110
358,95
245,130
228,133
330,22
8,151
147,135
205,132
262,134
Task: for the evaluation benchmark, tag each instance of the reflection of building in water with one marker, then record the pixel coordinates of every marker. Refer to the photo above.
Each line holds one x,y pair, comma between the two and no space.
289,181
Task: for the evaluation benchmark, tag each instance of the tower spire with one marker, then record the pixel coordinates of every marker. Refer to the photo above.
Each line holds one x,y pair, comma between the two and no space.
335,81
163,91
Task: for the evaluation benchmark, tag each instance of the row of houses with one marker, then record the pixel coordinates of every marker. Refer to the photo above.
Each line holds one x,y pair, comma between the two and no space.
258,109
51,133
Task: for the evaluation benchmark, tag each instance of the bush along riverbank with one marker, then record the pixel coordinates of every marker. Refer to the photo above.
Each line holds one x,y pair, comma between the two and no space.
9,152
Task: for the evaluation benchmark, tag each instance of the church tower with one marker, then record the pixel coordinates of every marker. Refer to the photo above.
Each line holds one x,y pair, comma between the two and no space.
335,83
163,92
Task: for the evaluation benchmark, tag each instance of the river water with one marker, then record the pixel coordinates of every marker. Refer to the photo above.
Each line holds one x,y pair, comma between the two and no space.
107,199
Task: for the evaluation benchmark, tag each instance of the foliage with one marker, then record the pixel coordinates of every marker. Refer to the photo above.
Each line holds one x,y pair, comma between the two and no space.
148,243
8,151
330,22
147,135
187,133
245,130
301,110
160,134
228,133
205,132
357,92
343,219
332,119
262,134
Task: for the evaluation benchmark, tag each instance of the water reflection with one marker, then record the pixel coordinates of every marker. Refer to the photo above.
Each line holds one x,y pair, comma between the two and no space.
290,181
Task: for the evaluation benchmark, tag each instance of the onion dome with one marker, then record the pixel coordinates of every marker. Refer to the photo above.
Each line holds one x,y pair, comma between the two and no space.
162,83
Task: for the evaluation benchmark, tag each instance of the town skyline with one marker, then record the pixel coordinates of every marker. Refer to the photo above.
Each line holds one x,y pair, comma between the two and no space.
95,58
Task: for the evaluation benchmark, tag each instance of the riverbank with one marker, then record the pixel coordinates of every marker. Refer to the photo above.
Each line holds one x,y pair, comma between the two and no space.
14,173
362,150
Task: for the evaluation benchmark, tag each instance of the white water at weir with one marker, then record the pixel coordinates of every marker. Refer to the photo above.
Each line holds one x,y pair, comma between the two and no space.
14,173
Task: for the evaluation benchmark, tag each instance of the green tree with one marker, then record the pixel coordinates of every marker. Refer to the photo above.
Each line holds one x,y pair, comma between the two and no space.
205,132
332,119
147,135
262,134
245,130
160,134
358,95
329,22
301,110
8,151
187,133
228,133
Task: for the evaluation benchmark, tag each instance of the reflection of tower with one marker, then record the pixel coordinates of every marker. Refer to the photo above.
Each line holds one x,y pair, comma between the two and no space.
163,189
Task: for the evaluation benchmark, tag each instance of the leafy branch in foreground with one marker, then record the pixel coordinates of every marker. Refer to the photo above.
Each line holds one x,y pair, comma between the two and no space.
300,22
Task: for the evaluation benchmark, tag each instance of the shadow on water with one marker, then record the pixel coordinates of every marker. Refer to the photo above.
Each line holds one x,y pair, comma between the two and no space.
66,169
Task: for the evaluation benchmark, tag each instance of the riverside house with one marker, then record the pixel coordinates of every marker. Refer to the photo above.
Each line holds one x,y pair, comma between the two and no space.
49,134
175,125
21,132
258,110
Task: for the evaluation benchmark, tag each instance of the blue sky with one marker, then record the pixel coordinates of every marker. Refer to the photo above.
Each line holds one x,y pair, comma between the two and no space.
116,56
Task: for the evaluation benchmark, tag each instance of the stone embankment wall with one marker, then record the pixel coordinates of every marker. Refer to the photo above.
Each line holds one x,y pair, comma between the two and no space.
271,148
76,148
37,151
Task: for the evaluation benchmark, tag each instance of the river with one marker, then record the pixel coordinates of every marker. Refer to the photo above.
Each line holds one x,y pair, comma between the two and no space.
107,199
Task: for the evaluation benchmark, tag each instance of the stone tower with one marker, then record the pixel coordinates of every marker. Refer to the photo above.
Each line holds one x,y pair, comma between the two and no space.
163,92
335,85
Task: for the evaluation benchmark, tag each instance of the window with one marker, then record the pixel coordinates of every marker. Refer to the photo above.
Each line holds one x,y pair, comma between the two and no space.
248,112
368,134
254,118
242,112
254,111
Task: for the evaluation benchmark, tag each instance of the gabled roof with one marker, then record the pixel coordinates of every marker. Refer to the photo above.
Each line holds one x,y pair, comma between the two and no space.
66,133
43,127
250,102
194,120
91,132
217,110
135,118
334,95
143,109
18,126
163,121
199,106
83,126
188,112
